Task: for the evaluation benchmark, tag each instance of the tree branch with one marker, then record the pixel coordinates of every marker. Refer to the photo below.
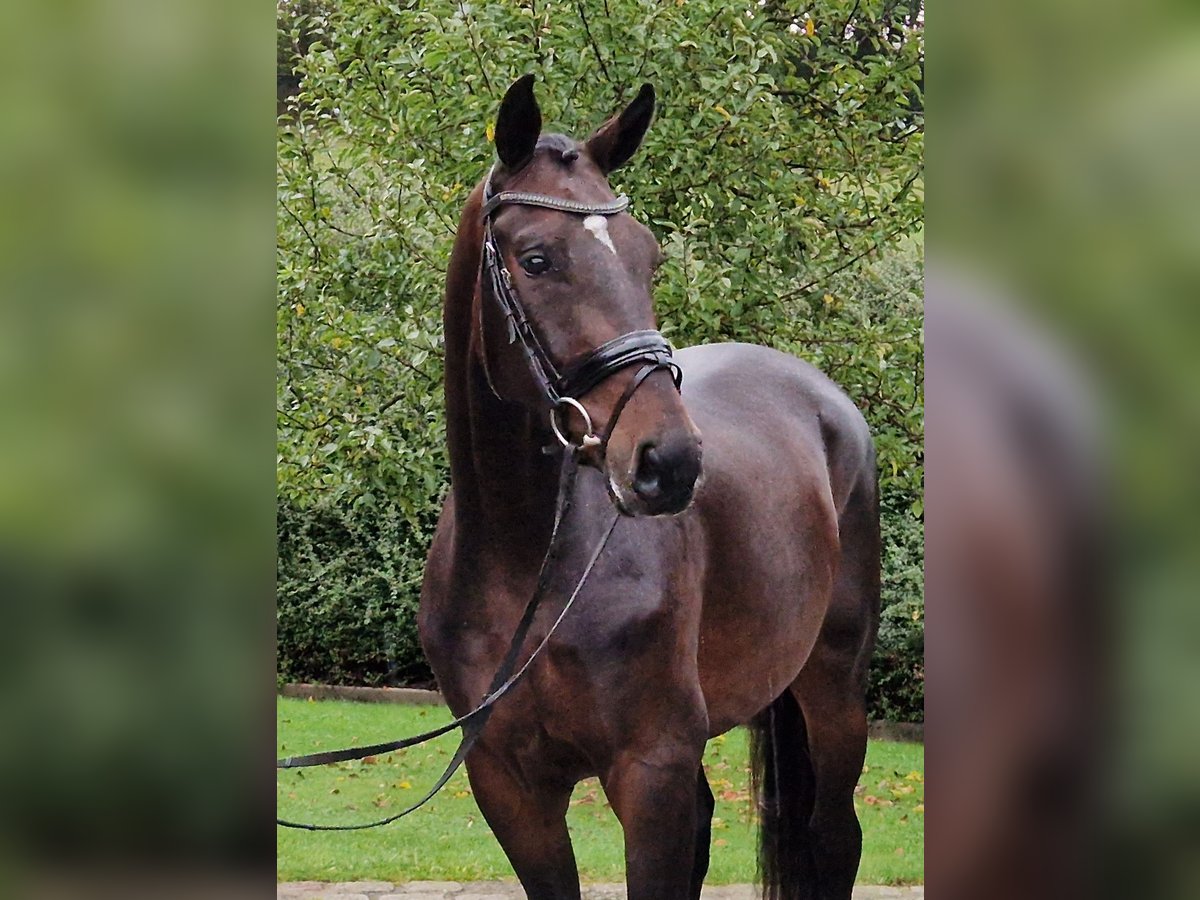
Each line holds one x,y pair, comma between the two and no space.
805,288
474,48
592,41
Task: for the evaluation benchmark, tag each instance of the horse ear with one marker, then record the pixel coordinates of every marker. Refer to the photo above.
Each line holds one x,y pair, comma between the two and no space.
518,124
617,140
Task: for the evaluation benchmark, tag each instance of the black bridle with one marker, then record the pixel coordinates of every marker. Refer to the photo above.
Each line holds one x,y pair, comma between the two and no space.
563,386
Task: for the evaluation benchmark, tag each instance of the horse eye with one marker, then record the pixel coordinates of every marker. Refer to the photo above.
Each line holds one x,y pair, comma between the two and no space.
535,264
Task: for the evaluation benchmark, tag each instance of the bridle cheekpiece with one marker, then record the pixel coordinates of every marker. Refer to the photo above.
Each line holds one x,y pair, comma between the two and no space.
562,386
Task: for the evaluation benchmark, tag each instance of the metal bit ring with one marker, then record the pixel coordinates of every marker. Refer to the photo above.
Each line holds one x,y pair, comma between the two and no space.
589,438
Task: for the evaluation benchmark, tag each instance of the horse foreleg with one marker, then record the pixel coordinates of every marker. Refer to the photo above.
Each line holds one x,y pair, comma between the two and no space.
654,795
529,821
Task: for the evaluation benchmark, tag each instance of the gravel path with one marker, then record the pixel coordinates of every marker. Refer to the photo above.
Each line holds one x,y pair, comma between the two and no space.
501,890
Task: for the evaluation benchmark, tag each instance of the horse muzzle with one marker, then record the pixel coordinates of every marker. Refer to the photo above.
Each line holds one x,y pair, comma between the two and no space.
664,478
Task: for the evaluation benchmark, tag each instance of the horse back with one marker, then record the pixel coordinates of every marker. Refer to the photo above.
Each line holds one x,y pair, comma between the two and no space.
785,407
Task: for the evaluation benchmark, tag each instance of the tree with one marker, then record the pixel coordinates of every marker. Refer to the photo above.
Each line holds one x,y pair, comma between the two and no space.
786,157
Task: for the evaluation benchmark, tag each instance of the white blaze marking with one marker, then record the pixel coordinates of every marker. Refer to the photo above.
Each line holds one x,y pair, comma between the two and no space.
598,226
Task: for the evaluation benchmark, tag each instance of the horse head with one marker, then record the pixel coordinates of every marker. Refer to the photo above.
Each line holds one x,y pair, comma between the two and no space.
565,317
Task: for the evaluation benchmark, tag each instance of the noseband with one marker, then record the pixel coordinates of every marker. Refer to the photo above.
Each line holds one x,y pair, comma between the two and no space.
563,386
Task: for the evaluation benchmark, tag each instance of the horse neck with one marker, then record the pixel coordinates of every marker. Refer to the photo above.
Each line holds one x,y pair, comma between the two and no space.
504,485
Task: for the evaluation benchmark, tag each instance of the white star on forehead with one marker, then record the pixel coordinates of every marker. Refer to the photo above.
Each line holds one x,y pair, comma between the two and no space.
598,226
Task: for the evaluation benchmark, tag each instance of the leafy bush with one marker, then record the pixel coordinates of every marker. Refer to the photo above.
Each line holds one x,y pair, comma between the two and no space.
348,583
782,169
896,689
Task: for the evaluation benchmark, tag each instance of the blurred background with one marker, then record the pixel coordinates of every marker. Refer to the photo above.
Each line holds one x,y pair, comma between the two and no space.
1063,398
136,462
138,458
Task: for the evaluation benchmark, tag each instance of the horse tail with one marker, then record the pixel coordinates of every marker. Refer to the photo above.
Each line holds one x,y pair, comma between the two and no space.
782,784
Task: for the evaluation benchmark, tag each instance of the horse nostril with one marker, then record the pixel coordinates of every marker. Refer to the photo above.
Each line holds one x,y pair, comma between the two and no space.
665,475
647,478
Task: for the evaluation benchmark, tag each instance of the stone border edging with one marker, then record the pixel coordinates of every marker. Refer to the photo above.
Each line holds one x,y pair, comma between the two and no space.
406,696
900,732
510,890
904,732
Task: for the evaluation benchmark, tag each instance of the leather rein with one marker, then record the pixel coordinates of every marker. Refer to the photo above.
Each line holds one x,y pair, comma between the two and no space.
561,388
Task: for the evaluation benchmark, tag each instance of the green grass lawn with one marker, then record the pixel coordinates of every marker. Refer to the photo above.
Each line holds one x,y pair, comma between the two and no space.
449,840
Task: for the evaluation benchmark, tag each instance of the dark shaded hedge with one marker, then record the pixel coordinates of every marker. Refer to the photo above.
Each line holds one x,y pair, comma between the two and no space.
896,690
348,586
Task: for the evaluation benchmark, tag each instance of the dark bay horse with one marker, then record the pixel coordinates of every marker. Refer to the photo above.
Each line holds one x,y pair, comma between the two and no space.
740,586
